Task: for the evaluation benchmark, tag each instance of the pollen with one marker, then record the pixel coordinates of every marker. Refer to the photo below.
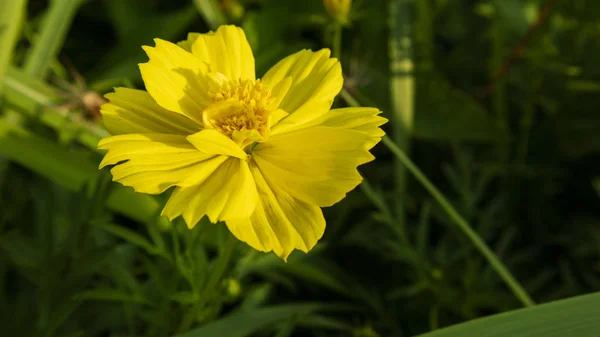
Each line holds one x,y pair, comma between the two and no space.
240,110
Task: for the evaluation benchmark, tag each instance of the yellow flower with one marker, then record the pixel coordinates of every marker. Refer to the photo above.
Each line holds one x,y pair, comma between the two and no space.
260,155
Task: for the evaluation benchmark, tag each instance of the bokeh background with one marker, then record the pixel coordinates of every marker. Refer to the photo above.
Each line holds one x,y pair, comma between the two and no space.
495,101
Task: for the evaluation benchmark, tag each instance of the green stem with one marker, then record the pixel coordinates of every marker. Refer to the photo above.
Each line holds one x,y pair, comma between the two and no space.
401,85
211,13
337,41
498,266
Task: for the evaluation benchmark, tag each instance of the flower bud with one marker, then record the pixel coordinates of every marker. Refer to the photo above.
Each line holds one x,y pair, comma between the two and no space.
338,9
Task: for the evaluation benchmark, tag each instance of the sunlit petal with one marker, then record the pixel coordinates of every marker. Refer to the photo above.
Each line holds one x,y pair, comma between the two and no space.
280,223
228,193
316,164
226,51
176,79
134,111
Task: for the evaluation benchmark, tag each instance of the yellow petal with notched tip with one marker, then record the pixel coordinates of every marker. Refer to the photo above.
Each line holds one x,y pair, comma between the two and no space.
366,120
176,79
151,163
316,80
226,51
280,222
134,111
187,43
316,164
228,193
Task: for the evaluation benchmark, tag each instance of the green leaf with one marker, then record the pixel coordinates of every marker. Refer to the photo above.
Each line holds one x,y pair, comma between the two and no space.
69,168
241,324
577,316
11,17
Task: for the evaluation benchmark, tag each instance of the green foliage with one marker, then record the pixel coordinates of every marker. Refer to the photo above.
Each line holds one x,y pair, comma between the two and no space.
573,317
502,97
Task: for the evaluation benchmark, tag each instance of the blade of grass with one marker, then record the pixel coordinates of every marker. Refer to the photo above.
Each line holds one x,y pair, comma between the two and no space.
11,17
576,316
52,34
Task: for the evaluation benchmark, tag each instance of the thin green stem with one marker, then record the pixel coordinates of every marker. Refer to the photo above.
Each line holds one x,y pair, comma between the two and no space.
495,262
462,224
337,41
349,98
211,13
401,84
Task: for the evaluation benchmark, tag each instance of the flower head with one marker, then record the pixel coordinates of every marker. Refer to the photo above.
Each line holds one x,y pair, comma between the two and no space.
262,155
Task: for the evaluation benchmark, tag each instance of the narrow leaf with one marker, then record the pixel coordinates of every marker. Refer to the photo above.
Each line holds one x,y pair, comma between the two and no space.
577,316
11,17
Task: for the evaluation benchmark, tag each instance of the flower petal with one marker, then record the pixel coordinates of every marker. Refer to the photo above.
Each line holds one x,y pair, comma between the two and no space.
280,222
187,44
134,111
361,119
151,163
316,80
226,51
212,141
229,193
176,79
315,164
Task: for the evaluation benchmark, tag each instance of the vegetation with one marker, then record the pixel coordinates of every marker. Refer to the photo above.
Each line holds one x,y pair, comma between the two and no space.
483,199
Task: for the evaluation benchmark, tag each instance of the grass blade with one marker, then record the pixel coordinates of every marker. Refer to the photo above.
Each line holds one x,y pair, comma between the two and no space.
576,316
11,16
52,35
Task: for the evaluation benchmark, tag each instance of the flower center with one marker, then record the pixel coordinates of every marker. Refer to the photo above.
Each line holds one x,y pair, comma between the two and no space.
240,110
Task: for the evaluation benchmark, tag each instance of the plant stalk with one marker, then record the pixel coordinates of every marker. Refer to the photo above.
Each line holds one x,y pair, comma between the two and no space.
401,84
462,224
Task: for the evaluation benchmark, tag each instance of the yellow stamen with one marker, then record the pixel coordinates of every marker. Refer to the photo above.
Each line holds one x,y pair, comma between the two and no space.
241,110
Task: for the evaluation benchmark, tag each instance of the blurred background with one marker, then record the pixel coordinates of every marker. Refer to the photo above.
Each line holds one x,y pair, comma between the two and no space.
495,101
